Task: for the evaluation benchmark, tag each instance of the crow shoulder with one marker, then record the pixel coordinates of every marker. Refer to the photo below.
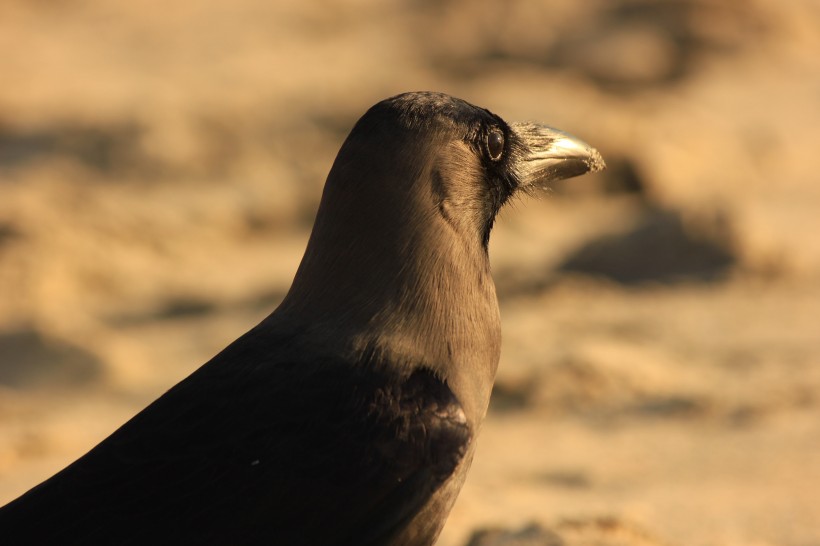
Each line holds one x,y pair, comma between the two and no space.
259,447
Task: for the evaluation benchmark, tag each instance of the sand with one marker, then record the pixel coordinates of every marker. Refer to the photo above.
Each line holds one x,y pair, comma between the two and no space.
160,168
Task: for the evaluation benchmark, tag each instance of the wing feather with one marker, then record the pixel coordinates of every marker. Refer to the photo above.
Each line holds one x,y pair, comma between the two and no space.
258,448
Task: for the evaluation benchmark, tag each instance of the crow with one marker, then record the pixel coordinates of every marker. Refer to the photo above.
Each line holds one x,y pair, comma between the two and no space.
349,415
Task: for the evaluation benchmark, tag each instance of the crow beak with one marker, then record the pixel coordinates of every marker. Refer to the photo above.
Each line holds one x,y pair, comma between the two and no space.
549,155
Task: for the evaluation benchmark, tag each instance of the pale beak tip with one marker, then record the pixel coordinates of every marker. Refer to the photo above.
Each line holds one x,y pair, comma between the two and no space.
596,162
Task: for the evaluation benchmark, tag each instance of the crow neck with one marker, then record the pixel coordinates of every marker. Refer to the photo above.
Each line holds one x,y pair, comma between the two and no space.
416,296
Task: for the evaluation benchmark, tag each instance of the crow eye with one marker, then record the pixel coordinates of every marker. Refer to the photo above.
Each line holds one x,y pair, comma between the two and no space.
495,144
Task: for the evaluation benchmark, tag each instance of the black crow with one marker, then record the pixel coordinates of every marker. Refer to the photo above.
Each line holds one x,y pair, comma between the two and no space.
349,415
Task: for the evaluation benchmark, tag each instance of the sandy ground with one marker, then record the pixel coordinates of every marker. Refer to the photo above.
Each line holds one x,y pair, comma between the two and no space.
160,165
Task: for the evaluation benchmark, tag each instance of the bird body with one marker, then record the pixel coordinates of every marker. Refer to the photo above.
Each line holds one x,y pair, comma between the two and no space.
349,415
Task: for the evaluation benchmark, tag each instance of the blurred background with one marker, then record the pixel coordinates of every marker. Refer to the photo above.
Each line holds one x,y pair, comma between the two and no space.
161,165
